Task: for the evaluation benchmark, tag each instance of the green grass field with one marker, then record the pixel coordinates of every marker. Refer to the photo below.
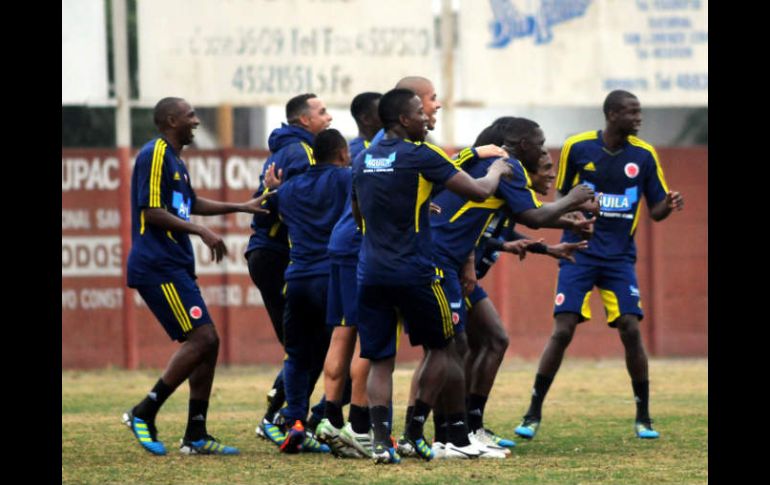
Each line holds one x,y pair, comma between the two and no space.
586,436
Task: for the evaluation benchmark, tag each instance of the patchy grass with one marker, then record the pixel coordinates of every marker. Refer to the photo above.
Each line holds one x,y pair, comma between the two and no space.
586,435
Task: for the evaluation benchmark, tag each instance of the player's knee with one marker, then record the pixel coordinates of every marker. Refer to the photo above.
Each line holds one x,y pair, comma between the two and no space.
498,342
628,327
461,346
562,336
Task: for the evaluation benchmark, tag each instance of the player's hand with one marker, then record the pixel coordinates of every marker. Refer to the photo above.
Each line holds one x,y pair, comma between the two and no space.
273,181
592,206
582,226
501,165
519,246
566,250
215,242
486,151
580,194
468,279
255,206
674,201
434,208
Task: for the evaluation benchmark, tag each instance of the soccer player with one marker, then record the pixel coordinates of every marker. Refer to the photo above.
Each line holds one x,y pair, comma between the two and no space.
623,168
351,439
161,267
309,204
267,253
487,339
392,184
456,230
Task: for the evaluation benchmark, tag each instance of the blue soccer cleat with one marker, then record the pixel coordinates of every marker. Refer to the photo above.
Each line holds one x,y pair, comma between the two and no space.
421,448
145,433
385,454
312,445
644,430
208,445
528,427
271,432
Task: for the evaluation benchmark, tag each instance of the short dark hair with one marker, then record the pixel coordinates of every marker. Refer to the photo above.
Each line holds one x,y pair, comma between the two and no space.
327,145
519,128
164,108
614,101
297,106
363,104
393,104
494,134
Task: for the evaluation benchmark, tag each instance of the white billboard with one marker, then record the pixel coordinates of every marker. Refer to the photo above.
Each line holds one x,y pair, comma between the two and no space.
83,52
573,52
266,51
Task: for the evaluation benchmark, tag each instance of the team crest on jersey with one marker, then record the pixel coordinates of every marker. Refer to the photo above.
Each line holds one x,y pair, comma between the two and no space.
196,312
631,169
455,318
559,299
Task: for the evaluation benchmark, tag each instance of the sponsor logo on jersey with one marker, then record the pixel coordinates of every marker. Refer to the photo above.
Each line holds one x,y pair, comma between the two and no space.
379,164
181,205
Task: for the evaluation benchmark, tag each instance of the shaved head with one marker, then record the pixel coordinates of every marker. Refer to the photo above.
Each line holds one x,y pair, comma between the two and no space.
424,89
166,107
419,85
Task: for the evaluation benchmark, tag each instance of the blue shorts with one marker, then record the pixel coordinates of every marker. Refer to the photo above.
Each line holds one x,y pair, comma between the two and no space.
476,296
454,294
424,308
177,304
617,286
342,305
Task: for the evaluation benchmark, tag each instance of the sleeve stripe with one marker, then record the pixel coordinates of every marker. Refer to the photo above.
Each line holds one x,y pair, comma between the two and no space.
309,151
658,169
158,153
588,135
440,152
464,155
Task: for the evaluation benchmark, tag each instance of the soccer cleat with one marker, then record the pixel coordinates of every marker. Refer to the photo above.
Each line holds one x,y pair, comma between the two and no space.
384,454
421,448
327,433
145,433
361,442
452,451
311,445
405,448
438,449
208,445
499,441
294,439
487,452
271,432
644,430
528,427
487,439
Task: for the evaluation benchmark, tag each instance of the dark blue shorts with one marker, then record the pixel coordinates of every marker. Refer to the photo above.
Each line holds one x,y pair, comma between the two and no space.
454,294
476,296
177,304
617,286
424,308
342,304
